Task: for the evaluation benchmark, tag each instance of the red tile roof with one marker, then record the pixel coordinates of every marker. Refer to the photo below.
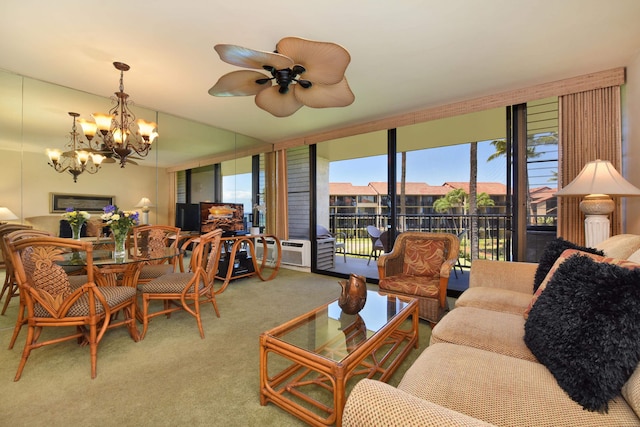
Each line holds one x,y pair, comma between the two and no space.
415,188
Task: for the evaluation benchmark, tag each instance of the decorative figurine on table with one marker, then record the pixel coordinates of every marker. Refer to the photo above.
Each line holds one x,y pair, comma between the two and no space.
354,294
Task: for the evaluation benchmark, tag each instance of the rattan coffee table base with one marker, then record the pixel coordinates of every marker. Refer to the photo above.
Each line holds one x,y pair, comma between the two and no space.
313,384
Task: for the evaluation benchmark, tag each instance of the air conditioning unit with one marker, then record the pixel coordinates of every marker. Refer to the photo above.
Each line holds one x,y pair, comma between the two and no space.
272,253
294,252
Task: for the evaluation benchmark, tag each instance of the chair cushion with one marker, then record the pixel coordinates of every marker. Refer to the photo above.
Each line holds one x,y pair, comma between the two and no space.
412,285
172,283
589,315
423,257
152,271
114,295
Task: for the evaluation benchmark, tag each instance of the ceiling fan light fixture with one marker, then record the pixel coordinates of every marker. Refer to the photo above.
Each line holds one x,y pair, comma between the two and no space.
322,63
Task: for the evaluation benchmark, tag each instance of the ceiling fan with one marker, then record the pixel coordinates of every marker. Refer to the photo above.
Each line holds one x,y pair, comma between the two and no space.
301,72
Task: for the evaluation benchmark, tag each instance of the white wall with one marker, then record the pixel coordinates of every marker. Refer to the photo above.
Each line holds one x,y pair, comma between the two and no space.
27,182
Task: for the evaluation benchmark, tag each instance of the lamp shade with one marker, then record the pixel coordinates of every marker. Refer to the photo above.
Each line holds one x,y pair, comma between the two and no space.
6,214
144,203
599,177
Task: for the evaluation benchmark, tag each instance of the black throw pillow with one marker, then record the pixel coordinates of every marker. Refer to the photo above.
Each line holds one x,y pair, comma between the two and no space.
585,328
552,251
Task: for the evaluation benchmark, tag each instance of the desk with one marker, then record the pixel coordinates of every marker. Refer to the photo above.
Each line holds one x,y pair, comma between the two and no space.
232,245
122,271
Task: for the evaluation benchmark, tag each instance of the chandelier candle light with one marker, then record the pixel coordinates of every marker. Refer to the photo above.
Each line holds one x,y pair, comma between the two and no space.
597,181
118,132
78,158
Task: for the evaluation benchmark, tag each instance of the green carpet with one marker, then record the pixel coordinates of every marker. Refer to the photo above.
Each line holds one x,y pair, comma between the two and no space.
172,377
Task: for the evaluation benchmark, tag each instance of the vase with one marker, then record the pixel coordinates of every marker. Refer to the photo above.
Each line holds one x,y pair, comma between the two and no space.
75,231
119,239
354,294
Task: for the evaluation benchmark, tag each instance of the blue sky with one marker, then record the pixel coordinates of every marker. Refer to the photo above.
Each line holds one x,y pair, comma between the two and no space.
432,166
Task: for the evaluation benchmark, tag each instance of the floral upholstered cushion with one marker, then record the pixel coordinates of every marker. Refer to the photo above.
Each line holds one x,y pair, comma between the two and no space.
423,257
412,285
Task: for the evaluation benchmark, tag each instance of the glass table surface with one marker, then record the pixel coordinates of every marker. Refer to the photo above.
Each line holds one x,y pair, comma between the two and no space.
106,257
333,334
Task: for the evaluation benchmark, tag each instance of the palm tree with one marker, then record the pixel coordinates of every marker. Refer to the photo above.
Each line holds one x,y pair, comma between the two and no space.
454,199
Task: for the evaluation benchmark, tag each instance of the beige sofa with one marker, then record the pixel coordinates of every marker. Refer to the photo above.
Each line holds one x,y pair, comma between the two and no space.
478,370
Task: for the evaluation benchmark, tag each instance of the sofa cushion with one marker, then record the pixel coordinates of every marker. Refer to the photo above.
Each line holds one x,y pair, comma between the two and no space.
620,246
496,299
423,257
485,329
562,258
551,252
631,391
589,315
501,390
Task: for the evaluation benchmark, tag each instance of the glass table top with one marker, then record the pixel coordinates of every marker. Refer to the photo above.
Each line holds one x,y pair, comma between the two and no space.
333,334
106,257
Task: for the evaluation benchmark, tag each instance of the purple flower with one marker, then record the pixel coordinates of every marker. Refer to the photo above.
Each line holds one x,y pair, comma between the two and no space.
109,209
69,210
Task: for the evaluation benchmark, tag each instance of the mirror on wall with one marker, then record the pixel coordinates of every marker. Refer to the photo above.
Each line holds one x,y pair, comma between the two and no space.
34,116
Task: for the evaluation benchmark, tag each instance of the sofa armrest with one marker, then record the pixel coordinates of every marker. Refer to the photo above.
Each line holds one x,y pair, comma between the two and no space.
514,276
374,403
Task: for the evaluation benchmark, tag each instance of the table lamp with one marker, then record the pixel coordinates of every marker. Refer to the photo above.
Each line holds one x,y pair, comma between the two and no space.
6,215
145,204
597,181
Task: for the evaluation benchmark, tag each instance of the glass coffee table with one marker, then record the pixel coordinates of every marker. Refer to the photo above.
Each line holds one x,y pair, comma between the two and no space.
306,364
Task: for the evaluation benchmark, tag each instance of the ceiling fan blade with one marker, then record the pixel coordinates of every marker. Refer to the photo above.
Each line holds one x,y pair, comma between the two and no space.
324,62
239,83
276,103
249,58
323,96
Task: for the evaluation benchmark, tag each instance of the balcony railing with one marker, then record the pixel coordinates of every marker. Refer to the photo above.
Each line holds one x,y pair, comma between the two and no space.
494,235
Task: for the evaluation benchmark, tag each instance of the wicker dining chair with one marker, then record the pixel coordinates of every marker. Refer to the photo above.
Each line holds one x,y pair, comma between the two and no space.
148,237
419,266
186,290
10,285
50,300
13,237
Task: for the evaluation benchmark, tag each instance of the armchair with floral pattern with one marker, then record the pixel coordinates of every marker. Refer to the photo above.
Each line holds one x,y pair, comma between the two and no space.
419,267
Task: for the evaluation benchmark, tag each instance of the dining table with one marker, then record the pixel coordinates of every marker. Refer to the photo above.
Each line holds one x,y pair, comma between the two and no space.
111,270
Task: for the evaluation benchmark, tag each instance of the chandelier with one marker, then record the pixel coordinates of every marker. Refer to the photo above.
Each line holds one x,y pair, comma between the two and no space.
117,134
78,158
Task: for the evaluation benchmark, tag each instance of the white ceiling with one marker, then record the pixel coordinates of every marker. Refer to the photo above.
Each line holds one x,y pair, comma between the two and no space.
406,55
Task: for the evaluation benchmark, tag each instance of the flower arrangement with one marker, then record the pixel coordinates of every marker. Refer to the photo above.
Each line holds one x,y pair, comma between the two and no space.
119,221
75,218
